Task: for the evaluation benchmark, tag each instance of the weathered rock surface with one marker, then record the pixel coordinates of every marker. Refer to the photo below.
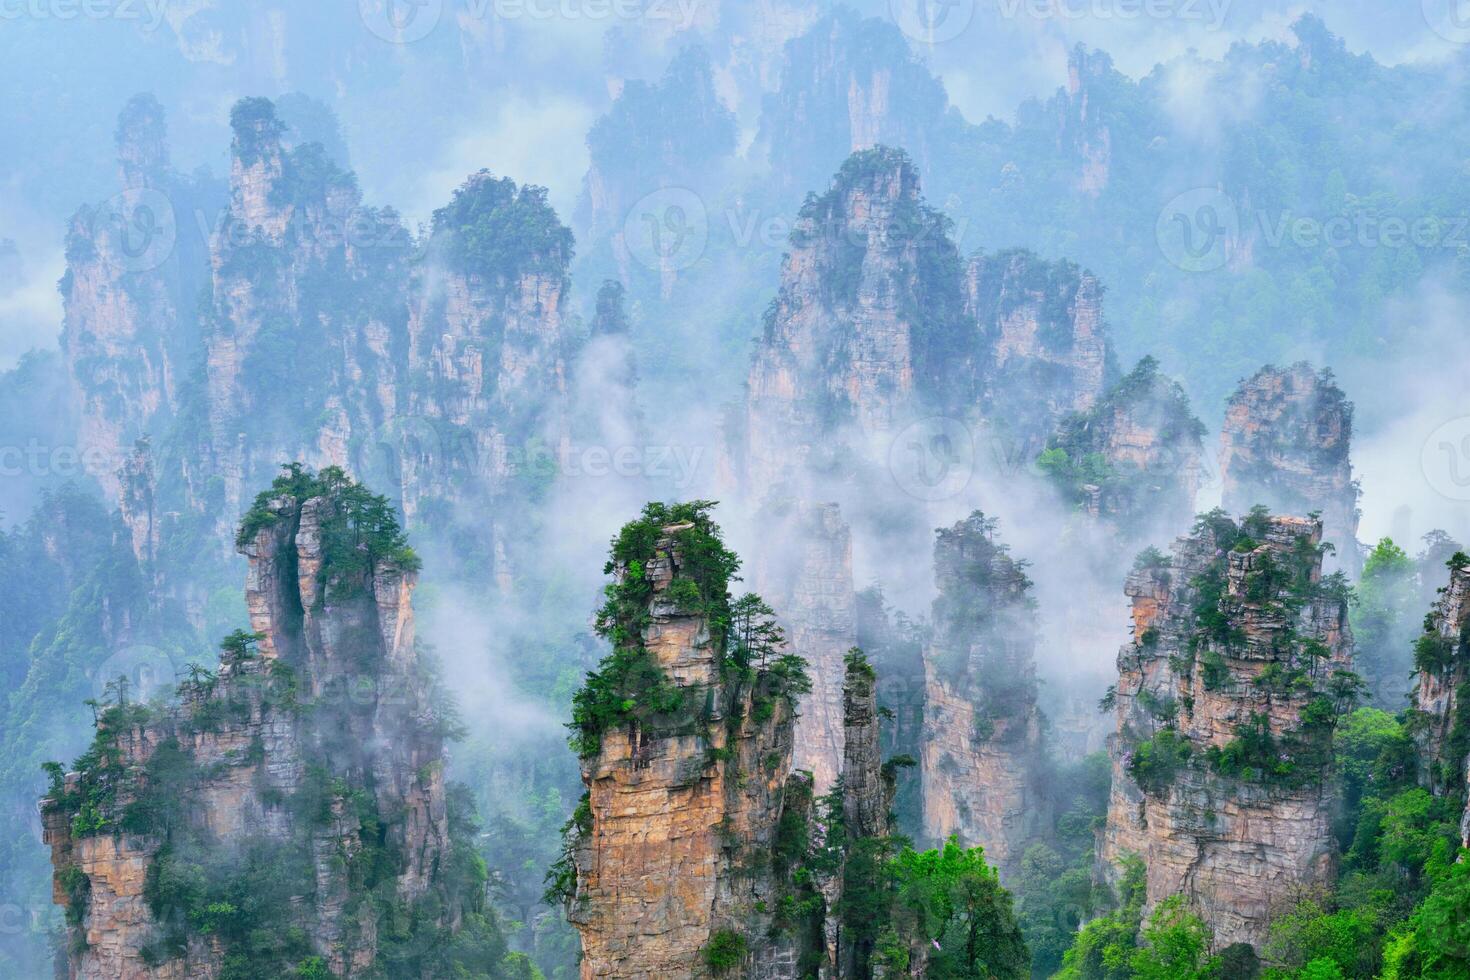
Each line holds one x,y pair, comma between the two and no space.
312,748
983,752
680,824
1225,702
1148,444
1443,655
1285,445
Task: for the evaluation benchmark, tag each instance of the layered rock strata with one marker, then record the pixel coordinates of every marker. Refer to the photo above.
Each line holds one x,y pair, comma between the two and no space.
1227,695
1284,445
297,789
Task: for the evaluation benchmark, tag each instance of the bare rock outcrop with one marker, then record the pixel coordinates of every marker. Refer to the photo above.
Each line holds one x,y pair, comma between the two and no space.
1227,695
1284,445
983,752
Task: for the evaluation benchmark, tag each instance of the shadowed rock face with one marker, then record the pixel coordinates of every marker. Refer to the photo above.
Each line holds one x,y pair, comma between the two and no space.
1285,444
983,753
1225,702
318,727
1441,655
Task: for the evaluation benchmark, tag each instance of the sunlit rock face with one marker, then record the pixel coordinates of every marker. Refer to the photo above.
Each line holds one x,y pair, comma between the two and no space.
306,772
1285,445
676,818
1225,703
983,753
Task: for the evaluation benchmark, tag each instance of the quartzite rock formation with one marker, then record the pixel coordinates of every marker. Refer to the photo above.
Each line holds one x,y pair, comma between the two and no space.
694,824
1133,458
1284,445
983,754
1442,655
1227,695
297,791
327,334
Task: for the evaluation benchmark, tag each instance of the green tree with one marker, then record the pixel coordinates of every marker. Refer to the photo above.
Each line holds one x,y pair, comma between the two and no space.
952,901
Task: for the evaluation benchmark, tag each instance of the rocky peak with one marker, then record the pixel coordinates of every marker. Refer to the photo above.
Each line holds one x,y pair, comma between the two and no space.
1133,459
983,754
1084,127
1284,445
685,732
865,323
296,792
1042,331
142,143
849,82
1239,667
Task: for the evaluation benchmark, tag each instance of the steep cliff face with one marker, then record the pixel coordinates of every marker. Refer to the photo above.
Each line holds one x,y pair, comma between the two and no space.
863,328
696,851
135,267
1440,698
307,332
1044,340
983,754
1133,458
328,335
675,133
810,583
288,812
1227,696
1285,445
1083,128
686,740
849,83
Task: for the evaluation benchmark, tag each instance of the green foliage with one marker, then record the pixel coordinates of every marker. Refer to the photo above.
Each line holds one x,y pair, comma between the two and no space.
1175,945
358,530
725,951
951,897
494,229
1435,942
1157,761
